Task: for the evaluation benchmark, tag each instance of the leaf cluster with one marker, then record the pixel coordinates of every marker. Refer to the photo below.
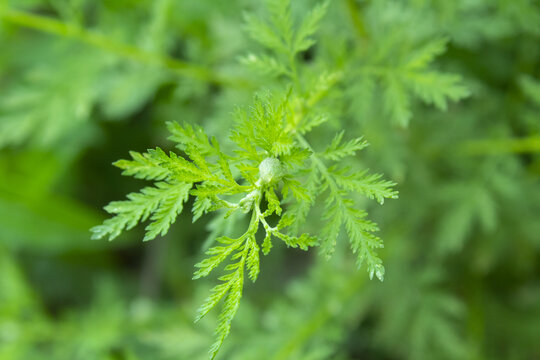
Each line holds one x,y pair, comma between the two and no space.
274,172
265,177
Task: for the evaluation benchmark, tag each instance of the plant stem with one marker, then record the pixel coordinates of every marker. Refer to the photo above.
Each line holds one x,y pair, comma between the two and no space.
357,20
100,41
318,162
529,144
294,72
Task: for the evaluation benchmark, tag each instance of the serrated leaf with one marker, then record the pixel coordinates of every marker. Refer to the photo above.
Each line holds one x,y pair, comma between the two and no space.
168,209
265,64
273,202
370,185
267,244
252,260
263,34
310,23
201,205
303,242
422,57
218,255
296,157
338,150
435,88
396,101
190,137
143,166
217,293
139,207
232,302
295,188
311,122
333,219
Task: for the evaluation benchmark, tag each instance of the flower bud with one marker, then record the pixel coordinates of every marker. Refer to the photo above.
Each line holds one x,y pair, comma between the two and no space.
270,170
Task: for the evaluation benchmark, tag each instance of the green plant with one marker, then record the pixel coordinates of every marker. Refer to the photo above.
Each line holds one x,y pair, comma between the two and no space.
445,92
273,166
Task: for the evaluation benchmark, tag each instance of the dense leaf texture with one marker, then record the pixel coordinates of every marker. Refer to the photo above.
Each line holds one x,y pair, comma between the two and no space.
270,107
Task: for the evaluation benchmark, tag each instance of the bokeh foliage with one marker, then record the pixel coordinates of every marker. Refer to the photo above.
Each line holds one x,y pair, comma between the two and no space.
83,82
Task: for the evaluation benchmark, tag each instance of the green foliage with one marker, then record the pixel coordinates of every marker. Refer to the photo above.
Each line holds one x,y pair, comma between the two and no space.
403,77
271,106
270,157
36,110
164,202
272,151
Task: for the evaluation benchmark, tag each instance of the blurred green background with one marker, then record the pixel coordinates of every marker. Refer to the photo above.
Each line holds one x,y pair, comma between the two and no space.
83,82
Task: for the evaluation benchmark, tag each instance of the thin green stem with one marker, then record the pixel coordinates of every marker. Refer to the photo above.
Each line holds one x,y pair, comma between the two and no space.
294,72
530,144
357,20
262,219
105,43
318,162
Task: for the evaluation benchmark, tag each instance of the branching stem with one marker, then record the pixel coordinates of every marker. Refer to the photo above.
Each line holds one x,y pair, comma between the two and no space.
318,162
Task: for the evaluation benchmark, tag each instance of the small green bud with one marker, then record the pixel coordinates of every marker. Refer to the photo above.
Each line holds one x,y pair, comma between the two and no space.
270,170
